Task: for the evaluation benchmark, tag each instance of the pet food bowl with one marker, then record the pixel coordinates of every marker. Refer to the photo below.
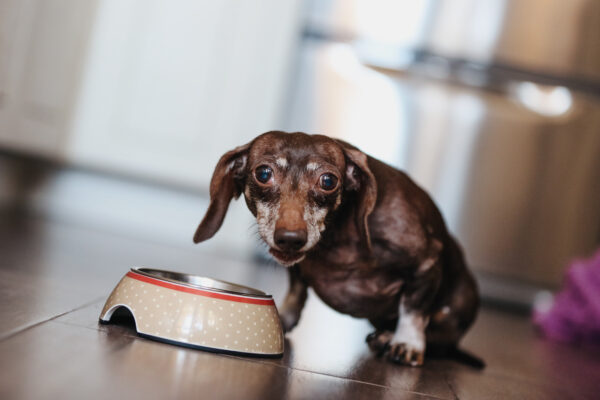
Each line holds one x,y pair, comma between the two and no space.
198,312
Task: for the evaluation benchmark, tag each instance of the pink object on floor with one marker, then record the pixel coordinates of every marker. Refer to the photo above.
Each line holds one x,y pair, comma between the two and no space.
575,313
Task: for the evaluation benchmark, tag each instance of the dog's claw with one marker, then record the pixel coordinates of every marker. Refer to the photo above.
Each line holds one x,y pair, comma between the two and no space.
402,354
381,342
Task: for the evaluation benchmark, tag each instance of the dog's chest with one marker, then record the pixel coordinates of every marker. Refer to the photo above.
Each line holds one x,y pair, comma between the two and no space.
363,292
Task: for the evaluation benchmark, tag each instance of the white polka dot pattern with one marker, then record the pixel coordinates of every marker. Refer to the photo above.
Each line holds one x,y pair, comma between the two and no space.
198,320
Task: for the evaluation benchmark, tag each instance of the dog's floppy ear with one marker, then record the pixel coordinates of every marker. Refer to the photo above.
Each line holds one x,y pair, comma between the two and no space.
227,182
359,178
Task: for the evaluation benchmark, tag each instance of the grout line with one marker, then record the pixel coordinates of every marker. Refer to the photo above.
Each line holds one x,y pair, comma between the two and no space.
391,388
447,380
133,335
17,331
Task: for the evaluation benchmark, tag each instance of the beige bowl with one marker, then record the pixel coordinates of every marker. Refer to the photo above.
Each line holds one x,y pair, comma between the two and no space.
198,312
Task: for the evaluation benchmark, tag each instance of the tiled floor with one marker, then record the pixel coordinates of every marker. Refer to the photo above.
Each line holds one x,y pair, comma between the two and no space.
54,278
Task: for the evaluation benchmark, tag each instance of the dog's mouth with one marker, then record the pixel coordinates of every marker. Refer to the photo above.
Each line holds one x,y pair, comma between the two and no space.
287,258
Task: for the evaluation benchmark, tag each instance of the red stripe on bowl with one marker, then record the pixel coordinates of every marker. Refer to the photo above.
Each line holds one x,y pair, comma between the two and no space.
200,292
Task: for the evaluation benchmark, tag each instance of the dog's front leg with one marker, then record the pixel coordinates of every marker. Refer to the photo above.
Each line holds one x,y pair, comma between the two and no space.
293,304
406,345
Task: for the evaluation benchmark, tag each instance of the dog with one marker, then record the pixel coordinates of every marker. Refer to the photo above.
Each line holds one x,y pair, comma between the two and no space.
362,234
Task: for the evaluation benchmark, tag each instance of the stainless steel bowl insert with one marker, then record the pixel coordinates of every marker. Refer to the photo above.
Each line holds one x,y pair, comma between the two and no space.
200,282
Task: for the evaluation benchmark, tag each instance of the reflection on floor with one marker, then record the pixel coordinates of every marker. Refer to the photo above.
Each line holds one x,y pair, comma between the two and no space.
55,276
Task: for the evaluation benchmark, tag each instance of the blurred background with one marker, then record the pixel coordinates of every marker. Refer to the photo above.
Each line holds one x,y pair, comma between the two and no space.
114,113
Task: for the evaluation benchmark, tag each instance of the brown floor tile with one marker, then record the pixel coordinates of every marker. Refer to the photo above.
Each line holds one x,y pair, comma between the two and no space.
56,360
48,268
328,342
337,353
488,386
28,300
350,361
337,349
512,349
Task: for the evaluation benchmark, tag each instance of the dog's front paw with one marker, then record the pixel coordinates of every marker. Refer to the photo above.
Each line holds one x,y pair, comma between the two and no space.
405,354
383,343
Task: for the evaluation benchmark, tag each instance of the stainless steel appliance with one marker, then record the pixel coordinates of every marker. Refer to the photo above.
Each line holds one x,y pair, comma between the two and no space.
493,107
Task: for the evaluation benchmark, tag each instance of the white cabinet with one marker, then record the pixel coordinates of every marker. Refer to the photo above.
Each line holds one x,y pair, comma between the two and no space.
153,88
42,46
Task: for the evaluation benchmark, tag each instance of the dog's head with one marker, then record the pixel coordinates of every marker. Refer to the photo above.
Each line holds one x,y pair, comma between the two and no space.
291,183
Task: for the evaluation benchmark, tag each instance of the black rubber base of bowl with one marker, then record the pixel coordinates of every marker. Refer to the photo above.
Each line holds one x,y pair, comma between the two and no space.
203,348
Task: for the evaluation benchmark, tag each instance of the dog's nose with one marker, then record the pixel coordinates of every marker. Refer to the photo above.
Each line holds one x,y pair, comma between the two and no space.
290,240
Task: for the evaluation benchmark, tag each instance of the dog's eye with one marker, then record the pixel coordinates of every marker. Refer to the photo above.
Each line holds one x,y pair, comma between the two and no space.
263,174
328,182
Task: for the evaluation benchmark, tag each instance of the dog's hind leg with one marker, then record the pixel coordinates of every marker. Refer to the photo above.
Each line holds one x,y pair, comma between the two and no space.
458,303
455,311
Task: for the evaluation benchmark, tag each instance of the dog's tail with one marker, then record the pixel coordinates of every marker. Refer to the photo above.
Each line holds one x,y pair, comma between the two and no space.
456,354
467,358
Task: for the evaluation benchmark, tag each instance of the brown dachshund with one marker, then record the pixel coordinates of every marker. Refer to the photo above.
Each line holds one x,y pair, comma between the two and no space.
363,235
